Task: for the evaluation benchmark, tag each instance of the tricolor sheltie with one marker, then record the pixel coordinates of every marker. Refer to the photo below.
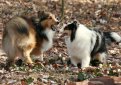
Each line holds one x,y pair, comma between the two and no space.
85,45
24,36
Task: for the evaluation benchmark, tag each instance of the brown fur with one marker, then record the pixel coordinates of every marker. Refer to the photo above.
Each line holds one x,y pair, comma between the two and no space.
21,36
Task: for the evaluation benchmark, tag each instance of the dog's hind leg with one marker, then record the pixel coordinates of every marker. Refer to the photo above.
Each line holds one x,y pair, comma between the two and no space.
102,57
99,58
10,50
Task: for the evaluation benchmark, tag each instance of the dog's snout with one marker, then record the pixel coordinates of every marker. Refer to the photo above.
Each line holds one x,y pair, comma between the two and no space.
57,22
58,18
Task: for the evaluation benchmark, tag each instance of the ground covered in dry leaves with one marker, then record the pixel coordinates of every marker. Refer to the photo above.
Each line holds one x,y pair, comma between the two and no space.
104,15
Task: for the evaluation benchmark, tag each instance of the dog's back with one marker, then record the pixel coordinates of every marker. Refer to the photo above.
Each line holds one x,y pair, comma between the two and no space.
18,36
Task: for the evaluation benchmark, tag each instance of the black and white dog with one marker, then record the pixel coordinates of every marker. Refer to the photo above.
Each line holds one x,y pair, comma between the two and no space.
85,45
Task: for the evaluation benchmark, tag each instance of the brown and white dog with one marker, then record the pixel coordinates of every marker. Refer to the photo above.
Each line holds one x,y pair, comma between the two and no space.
24,36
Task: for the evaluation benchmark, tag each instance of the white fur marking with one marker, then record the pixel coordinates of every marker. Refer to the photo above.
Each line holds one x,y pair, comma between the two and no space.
48,44
116,36
40,57
102,57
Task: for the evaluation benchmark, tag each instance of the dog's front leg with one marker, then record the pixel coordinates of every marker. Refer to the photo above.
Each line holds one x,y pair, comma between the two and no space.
73,60
27,58
39,57
85,61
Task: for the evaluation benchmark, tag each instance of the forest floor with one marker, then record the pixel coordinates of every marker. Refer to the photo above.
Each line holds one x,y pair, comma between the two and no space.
103,15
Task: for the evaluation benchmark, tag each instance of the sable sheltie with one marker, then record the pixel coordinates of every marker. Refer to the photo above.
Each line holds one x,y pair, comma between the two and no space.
24,36
85,45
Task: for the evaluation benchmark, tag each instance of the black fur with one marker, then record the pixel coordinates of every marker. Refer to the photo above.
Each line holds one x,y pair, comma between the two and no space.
95,62
95,46
39,29
99,47
23,30
42,15
73,27
40,33
35,21
108,36
109,39
19,62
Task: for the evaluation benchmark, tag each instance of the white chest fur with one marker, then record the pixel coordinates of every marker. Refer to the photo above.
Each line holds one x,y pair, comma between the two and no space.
80,44
48,44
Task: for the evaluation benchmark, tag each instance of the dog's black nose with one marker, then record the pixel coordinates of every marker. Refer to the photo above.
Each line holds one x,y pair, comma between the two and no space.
58,22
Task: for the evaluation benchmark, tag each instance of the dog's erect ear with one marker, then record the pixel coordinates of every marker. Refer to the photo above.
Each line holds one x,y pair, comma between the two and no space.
75,22
40,13
74,27
36,20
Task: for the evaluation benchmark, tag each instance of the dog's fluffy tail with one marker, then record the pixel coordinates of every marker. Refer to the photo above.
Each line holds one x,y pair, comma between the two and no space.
112,37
